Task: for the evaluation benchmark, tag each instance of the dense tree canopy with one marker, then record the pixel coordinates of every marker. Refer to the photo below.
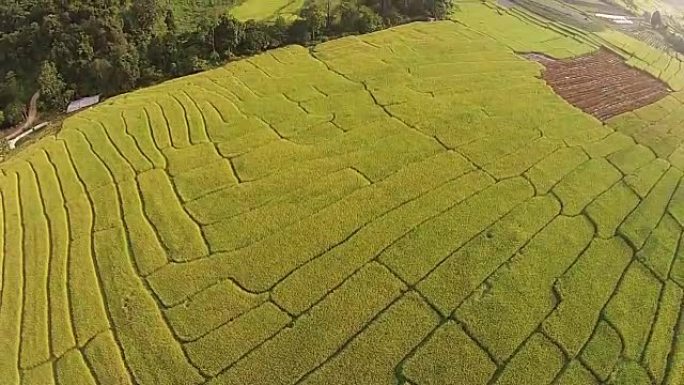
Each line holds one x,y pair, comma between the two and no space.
83,47
53,90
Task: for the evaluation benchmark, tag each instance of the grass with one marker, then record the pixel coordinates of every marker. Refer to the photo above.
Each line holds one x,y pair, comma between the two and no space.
658,348
547,173
582,298
177,231
641,222
146,247
412,206
611,208
104,357
310,283
62,338
632,158
576,374
196,183
72,367
225,345
643,179
35,346
188,12
234,302
633,314
603,350
267,10
122,289
575,194
429,238
285,357
665,66
410,318
499,241
236,232
528,273
659,250
537,362
449,357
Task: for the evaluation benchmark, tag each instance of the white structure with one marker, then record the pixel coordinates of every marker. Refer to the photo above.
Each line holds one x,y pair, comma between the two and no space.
617,19
13,143
82,103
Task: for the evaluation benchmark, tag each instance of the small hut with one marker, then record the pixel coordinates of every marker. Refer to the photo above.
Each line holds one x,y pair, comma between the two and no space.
82,103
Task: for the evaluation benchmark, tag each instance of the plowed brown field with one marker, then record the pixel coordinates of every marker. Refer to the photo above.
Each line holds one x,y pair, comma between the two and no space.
601,84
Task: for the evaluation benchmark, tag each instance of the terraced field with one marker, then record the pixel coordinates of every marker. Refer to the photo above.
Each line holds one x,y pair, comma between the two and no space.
414,206
267,9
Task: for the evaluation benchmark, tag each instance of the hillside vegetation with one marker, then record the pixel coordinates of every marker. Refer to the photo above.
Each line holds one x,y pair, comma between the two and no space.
414,206
270,9
87,47
189,12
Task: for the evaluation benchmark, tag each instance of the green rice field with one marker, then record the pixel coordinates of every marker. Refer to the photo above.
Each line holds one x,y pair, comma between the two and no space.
267,9
414,206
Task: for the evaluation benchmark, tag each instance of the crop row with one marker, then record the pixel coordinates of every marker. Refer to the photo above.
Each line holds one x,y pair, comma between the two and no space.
372,211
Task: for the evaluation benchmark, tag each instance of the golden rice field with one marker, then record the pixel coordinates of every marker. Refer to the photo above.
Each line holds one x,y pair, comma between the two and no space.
415,206
267,9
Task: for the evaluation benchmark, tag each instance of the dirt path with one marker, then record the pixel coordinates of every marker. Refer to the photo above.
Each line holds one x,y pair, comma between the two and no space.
31,117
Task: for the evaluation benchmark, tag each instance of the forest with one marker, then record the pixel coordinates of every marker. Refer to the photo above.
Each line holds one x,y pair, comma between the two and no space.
69,49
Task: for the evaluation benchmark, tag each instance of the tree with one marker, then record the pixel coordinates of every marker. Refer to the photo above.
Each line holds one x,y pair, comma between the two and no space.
358,18
228,35
9,87
278,32
441,8
164,53
198,64
2,118
110,46
298,32
14,113
328,14
368,21
170,21
315,19
125,69
203,38
53,90
144,15
256,38
349,15
656,20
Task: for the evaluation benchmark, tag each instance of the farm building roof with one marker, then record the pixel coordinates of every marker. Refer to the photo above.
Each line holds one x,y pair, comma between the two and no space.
82,103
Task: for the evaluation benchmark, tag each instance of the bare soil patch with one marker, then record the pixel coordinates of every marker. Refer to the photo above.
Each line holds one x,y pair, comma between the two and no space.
601,83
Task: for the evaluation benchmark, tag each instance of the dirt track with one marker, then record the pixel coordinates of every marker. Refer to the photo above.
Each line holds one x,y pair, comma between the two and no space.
30,117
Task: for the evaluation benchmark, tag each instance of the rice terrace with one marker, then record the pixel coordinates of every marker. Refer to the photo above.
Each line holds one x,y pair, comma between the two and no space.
424,205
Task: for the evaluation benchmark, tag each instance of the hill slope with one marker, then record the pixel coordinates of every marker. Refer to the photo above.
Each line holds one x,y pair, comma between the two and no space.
267,10
188,12
412,206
